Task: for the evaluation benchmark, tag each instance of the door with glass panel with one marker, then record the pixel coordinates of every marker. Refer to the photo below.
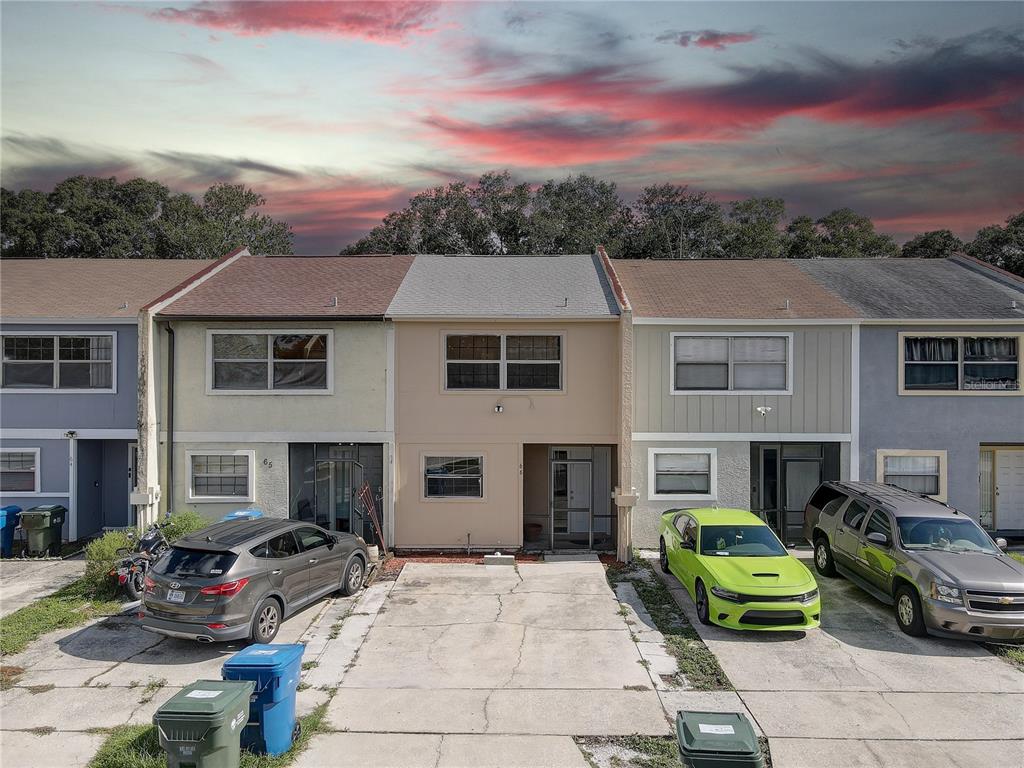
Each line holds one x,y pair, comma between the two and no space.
571,498
336,505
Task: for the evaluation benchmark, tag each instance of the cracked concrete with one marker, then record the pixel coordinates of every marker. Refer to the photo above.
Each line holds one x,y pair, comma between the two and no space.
858,692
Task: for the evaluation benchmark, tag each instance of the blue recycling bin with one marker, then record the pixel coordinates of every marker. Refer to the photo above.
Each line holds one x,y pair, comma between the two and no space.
9,517
242,514
275,670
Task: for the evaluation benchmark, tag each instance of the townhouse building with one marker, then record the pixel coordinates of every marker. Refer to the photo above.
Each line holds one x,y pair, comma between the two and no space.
509,405
743,388
68,389
271,387
941,409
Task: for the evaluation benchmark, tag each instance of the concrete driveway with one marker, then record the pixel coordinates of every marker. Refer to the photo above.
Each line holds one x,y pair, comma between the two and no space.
470,665
22,581
860,693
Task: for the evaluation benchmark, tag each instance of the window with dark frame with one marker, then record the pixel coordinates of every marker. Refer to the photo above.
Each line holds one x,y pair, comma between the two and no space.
730,363
220,475
961,363
78,362
453,477
18,471
263,362
503,361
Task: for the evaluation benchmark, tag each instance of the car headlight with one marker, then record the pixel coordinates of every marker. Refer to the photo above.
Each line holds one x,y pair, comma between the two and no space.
725,594
809,597
947,593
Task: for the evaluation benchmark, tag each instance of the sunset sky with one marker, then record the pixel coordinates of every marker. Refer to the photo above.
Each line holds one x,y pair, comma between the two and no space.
912,113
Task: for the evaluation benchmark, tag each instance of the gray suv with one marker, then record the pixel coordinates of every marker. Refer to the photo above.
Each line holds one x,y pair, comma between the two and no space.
943,574
240,579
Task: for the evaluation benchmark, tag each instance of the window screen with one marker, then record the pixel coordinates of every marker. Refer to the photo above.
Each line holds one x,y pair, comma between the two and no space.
18,471
221,475
741,363
485,361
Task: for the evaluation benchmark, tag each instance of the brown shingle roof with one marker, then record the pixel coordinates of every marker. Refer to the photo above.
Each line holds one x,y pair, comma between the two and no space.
87,288
726,289
296,286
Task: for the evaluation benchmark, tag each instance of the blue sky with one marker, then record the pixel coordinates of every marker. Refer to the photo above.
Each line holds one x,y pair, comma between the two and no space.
908,112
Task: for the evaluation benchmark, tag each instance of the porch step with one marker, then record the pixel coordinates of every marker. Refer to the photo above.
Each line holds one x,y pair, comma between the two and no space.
582,557
499,559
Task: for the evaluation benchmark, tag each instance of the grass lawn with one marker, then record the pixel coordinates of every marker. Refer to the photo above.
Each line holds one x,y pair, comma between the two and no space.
138,746
1011,654
1019,556
69,607
695,660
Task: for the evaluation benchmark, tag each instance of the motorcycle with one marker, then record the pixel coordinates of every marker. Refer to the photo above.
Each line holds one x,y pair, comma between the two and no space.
131,569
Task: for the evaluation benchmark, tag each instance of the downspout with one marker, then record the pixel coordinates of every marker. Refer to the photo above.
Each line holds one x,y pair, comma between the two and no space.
170,419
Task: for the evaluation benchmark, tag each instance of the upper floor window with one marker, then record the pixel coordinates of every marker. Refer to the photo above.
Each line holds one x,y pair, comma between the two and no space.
37,362
961,363
503,361
265,362
724,363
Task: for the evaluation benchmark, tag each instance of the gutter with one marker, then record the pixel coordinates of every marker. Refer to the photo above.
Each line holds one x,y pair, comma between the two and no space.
170,419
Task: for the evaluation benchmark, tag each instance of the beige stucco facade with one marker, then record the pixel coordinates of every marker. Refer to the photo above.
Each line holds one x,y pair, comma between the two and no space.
432,421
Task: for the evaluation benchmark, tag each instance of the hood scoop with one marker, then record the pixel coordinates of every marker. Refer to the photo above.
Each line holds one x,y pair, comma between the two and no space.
766,575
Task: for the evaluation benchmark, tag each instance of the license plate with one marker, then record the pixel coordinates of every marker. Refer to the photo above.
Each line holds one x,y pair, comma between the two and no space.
175,596
122,571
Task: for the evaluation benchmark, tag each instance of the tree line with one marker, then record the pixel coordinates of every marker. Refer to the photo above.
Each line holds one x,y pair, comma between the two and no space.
101,218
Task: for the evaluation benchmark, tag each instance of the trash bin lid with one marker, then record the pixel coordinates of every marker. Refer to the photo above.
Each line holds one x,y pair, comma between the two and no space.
250,513
11,510
46,508
273,657
208,699
730,732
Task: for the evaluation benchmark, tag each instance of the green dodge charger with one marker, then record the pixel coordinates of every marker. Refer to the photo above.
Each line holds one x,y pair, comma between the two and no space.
737,571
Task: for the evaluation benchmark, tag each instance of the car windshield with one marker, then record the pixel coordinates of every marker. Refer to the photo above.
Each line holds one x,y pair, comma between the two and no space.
739,541
946,534
193,562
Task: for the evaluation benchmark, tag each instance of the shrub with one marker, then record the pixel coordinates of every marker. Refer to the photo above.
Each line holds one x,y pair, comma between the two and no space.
183,523
100,557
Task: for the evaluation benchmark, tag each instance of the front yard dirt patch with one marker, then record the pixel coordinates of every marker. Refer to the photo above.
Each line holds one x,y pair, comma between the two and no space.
696,662
66,608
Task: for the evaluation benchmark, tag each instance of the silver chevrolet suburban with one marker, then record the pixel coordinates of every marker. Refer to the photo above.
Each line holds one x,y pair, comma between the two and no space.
943,574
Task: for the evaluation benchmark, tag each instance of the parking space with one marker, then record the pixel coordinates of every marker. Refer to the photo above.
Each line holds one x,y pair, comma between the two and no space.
859,692
22,581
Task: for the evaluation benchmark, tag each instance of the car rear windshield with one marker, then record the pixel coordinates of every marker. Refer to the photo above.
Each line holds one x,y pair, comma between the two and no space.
739,541
193,562
944,533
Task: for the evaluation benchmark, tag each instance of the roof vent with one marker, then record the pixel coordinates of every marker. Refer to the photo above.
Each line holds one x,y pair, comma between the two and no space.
565,302
124,305
334,301
787,305
1013,304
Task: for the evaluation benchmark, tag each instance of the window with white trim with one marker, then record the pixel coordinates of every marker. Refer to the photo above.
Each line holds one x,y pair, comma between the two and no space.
921,472
961,363
458,477
221,476
269,361
682,473
503,361
710,363
38,362
19,471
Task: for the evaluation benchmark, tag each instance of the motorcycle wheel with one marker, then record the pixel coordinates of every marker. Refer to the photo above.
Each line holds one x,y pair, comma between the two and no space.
134,586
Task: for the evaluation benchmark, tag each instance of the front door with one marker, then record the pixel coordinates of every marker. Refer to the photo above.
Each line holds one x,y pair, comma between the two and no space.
337,507
133,474
1009,490
571,503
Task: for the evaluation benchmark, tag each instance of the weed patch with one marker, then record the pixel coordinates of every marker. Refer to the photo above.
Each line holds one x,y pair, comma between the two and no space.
9,676
73,605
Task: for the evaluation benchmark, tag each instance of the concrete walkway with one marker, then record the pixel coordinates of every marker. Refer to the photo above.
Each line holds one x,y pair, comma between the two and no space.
858,693
22,581
470,665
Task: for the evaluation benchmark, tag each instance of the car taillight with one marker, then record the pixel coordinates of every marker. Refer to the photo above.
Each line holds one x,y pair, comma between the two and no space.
227,589
216,626
147,585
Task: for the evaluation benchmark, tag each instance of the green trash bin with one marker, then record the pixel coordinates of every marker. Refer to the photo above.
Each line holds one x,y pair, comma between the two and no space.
42,526
201,725
717,740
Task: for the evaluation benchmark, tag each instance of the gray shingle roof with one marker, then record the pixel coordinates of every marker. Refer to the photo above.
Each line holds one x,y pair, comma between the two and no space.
926,289
505,286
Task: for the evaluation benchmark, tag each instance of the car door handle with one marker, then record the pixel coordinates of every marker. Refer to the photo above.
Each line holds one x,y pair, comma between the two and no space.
314,560
274,573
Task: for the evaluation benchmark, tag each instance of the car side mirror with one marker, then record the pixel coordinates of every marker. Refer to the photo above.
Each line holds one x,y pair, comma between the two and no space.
331,542
688,545
1001,543
878,538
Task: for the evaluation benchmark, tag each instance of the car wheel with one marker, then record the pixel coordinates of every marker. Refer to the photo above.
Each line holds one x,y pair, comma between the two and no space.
823,562
700,598
266,621
663,557
353,576
908,611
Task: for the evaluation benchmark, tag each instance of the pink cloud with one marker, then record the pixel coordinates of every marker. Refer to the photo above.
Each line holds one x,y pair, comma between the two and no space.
707,38
382,22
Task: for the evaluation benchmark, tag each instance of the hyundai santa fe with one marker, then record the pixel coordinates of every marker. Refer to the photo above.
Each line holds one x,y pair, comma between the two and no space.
240,579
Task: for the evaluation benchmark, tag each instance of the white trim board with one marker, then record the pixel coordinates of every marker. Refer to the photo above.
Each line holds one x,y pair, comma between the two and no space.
133,320
280,437
61,434
710,321
745,437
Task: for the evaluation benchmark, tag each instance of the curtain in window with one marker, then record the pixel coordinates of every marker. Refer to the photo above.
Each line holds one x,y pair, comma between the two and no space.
990,349
919,474
682,473
930,350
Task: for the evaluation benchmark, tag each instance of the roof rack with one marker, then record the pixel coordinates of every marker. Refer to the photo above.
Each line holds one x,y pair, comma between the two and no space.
855,487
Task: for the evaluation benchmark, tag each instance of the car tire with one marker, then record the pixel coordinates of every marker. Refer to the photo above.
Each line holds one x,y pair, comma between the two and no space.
823,562
908,612
353,575
700,599
663,557
266,621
